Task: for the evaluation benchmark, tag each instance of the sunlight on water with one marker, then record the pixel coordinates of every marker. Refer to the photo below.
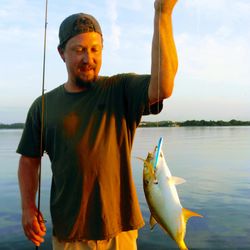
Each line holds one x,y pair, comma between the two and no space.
214,161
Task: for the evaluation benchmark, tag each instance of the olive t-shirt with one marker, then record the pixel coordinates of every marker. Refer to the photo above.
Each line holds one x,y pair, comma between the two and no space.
88,137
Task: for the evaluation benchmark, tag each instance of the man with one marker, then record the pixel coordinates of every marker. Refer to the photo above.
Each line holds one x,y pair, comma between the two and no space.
89,124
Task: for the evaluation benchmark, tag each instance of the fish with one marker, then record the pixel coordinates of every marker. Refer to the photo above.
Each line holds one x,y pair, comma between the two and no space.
162,198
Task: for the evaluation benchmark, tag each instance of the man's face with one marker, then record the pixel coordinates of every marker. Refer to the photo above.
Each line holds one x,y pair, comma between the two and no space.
83,58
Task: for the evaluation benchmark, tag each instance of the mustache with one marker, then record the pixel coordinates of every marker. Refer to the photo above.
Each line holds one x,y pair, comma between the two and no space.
87,66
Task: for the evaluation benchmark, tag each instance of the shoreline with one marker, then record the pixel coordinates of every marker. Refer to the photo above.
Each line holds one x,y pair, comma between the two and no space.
147,124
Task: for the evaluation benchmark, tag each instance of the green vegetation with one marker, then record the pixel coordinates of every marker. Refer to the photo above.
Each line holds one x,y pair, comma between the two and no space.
12,126
188,123
195,123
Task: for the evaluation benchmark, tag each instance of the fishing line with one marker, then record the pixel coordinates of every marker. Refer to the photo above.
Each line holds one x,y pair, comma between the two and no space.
158,149
159,63
42,114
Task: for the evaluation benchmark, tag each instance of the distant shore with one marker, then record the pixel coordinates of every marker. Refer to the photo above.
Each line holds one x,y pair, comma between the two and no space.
195,123
12,126
144,124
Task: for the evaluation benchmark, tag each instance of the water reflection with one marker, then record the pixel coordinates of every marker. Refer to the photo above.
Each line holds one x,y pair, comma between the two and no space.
214,161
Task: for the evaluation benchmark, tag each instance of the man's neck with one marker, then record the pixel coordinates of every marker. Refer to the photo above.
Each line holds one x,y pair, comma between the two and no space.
73,88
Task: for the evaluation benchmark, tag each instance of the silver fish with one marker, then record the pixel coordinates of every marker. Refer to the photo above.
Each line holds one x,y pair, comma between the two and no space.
162,198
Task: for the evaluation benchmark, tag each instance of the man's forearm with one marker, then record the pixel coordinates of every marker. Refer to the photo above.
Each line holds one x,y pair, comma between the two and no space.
32,219
164,55
28,180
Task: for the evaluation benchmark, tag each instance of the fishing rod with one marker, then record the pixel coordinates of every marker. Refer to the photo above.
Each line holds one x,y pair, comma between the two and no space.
42,114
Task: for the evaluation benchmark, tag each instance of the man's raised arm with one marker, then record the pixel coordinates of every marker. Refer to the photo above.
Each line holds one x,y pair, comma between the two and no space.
164,56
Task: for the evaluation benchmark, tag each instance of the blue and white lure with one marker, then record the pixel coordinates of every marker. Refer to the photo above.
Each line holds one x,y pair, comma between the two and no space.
157,152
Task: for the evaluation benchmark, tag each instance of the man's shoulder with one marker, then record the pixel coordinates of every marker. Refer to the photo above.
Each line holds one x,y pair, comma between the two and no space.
116,78
124,75
58,90
48,95
131,76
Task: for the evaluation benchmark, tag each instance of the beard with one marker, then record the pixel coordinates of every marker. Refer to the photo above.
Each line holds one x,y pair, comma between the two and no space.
83,83
87,83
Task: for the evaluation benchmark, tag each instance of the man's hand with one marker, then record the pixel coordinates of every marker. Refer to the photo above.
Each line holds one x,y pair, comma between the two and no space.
33,226
165,6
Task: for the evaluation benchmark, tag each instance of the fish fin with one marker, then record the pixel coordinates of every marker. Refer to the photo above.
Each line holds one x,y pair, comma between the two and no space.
188,214
139,158
145,161
152,222
176,180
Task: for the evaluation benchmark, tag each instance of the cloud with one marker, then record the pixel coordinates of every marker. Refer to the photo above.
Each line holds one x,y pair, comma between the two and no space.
228,9
112,14
242,7
210,5
213,62
3,14
135,5
20,22
214,59
14,12
220,53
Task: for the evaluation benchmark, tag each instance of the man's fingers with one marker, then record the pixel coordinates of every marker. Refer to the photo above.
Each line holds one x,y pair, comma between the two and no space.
38,228
42,222
43,227
165,6
35,238
33,225
35,231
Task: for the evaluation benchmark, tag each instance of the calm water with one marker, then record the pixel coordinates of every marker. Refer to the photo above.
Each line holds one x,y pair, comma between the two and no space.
214,161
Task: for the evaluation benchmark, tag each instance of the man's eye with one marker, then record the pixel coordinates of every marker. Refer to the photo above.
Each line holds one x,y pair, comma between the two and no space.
95,49
78,49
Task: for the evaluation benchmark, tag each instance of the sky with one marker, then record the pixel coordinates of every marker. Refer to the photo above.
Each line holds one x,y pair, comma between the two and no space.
212,39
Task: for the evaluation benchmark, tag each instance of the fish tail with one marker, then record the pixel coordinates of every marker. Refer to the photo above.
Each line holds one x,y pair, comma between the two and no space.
188,214
182,245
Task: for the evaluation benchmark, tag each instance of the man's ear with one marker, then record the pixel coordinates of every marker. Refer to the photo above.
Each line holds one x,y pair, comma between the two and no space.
61,52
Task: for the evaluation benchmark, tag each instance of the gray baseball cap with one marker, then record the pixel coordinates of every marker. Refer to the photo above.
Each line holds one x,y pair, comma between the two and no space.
76,24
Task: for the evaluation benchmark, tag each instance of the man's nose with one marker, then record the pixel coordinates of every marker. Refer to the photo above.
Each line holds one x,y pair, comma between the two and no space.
86,57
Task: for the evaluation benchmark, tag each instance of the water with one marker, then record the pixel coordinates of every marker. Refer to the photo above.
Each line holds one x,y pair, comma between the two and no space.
215,162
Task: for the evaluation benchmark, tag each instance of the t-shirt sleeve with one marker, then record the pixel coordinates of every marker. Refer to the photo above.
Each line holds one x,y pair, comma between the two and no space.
136,89
29,144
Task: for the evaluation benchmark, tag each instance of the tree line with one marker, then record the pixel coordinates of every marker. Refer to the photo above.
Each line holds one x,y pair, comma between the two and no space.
195,123
188,123
12,126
